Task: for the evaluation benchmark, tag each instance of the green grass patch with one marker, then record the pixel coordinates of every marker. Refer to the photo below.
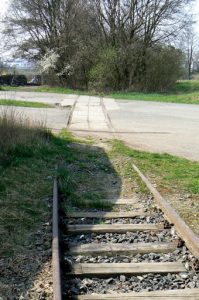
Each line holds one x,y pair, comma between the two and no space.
46,89
177,179
170,171
24,103
186,92
84,184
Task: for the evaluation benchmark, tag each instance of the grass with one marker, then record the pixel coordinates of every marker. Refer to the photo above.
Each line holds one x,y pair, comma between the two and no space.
185,91
176,178
24,103
45,89
28,154
84,182
170,170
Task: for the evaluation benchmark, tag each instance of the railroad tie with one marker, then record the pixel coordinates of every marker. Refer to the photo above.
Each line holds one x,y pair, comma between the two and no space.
117,228
104,269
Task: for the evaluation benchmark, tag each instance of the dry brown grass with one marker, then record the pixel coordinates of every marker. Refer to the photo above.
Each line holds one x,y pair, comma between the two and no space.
17,131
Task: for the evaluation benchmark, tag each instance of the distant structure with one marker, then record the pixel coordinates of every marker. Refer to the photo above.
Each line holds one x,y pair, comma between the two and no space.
15,67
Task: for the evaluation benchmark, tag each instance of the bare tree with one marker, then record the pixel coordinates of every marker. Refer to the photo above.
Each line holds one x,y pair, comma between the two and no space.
189,41
78,32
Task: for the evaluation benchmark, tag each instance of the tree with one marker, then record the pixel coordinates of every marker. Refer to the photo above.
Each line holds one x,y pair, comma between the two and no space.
78,32
188,44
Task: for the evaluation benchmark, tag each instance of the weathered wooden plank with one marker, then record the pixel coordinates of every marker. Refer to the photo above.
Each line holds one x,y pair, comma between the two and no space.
133,201
119,228
186,294
108,215
126,268
137,203
128,249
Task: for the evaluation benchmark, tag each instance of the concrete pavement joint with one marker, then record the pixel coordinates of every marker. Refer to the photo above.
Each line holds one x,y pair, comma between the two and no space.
110,125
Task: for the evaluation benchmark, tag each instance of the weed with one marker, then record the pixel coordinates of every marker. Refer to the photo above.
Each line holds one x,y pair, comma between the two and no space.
170,170
19,103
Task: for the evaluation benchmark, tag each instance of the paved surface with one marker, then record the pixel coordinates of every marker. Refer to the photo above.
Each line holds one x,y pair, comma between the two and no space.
152,126
160,127
89,114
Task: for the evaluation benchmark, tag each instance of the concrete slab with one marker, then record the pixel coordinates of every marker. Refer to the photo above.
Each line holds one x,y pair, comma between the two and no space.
68,102
88,114
110,104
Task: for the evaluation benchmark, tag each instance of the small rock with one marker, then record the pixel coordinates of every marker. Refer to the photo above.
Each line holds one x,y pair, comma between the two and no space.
140,278
184,275
110,280
122,278
88,282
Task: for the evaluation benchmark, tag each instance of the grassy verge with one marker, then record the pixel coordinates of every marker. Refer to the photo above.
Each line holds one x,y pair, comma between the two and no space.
176,178
24,103
185,91
27,161
45,89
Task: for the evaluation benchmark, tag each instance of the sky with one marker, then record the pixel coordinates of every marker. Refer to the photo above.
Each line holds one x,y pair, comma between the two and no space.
3,6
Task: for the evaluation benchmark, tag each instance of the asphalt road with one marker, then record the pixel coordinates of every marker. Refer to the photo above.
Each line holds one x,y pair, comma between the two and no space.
158,127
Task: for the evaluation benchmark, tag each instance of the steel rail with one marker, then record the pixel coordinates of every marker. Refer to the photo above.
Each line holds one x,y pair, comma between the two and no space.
187,235
57,290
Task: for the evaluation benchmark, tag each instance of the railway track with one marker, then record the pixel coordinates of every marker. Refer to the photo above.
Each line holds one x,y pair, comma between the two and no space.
133,251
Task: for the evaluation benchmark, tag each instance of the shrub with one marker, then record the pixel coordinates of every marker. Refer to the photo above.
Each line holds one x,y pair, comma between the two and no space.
163,68
137,68
103,75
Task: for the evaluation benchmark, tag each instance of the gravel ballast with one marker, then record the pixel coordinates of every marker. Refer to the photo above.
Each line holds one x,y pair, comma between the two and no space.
127,284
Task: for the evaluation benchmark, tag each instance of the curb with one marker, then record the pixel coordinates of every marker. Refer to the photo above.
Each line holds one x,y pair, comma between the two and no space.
187,235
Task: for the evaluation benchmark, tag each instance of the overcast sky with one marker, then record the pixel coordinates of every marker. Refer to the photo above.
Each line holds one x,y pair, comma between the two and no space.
3,6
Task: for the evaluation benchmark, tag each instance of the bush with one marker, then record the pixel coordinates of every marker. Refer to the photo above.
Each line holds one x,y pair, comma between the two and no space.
136,68
163,69
103,75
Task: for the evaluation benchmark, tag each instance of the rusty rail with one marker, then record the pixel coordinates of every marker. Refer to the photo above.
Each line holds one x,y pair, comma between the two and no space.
57,292
187,235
